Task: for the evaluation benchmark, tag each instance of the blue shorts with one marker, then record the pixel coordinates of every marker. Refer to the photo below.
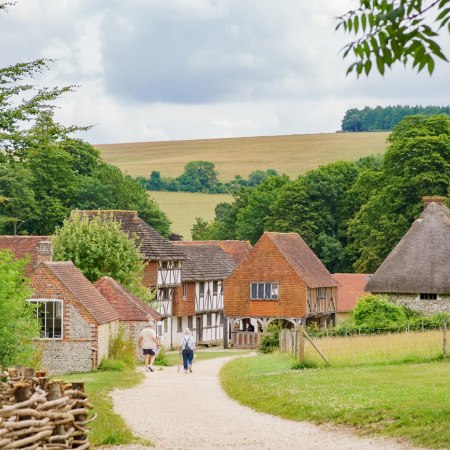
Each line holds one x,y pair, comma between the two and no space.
148,351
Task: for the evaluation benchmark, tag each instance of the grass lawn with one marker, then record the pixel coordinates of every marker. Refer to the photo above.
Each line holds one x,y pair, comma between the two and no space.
108,428
409,401
183,207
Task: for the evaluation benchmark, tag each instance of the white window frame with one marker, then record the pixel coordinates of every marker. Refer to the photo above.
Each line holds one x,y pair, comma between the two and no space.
184,290
265,286
39,301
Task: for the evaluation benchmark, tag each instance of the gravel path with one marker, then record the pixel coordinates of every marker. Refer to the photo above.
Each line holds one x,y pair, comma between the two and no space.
179,411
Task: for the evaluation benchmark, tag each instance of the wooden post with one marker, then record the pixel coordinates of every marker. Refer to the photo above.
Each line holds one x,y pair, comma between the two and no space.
55,392
444,339
301,346
22,392
315,346
79,386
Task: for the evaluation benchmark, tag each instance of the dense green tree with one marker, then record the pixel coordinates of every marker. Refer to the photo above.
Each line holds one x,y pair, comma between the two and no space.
199,176
392,31
99,248
18,324
317,206
416,164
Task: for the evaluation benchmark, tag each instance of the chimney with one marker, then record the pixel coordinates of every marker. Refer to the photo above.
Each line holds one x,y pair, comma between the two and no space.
44,251
432,199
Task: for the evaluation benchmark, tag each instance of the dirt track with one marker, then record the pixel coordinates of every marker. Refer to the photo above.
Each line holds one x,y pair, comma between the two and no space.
179,411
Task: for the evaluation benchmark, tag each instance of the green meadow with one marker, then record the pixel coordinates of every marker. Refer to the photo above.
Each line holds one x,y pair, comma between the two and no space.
183,207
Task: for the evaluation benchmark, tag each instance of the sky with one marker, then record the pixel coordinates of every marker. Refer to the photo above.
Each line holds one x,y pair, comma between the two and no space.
153,70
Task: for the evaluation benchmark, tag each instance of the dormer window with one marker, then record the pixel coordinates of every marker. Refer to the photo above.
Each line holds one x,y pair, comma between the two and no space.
428,296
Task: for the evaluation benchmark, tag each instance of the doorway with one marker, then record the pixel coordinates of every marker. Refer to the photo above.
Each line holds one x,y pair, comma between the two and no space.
199,324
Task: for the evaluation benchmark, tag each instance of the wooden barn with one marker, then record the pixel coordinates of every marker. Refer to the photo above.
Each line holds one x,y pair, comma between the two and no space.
281,278
198,302
162,273
133,312
416,272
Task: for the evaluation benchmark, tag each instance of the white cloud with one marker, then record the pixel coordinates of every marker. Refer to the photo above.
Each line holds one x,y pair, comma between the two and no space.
183,69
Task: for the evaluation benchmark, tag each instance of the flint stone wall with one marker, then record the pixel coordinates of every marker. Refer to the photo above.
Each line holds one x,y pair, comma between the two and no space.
61,357
426,307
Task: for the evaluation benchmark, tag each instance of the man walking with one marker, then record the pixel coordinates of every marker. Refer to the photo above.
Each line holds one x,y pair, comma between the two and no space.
149,344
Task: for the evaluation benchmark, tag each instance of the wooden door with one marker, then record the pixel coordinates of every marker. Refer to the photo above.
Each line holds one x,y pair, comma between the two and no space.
199,328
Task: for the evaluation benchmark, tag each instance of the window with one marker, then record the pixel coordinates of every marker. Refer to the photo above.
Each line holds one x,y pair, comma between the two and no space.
209,320
215,287
190,322
221,318
264,291
201,289
321,293
164,264
166,325
428,296
163,294
49,313
184,290
179,324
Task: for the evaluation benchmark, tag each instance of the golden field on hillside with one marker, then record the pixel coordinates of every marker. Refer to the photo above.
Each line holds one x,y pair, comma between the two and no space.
183,207
292,155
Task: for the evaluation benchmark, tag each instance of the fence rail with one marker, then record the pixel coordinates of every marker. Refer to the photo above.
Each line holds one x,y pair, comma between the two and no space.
246,340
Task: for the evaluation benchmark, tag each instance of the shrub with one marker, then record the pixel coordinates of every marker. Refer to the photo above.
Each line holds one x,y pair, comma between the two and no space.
161,357
270,342
373,311
112,364
122,349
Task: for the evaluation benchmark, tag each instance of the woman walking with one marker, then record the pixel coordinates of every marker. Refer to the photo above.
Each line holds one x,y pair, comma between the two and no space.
187,347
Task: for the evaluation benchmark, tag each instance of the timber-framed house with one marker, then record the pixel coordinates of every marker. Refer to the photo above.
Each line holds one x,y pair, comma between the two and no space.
198,301
281,278
163,261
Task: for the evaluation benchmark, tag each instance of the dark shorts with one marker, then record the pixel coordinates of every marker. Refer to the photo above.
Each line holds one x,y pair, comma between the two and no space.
148,351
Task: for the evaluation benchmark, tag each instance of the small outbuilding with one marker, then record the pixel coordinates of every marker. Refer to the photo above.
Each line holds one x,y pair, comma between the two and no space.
416,272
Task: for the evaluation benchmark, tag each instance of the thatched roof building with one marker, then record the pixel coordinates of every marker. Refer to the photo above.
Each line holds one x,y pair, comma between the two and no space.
420,262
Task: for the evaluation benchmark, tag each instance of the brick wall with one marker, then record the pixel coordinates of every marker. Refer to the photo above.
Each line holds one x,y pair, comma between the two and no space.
184,306
426,307
265,264
150,277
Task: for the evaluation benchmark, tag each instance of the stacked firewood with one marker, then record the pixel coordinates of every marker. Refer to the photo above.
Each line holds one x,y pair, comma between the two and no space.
39,414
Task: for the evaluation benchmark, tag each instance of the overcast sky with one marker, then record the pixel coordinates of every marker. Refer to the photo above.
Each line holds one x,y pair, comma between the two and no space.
187,69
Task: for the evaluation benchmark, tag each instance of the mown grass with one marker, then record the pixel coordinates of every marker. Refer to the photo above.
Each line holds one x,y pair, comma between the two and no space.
363,350
292,155
108,428
409,401
182,208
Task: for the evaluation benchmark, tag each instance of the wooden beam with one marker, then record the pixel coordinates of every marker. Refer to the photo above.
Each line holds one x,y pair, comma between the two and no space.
315,346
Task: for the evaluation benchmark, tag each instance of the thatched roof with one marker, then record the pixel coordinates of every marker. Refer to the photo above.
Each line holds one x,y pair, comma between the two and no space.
420,262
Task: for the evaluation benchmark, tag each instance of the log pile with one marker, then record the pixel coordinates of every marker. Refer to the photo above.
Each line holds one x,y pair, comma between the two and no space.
39,414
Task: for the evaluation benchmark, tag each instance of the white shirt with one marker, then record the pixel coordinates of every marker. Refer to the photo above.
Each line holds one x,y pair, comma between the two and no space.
187,342
148,336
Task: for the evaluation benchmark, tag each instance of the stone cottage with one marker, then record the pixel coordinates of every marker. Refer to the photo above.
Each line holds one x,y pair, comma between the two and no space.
416,272
133,312
77,321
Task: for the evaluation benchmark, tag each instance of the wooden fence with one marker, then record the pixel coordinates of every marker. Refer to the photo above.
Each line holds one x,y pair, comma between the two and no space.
248,340
39,414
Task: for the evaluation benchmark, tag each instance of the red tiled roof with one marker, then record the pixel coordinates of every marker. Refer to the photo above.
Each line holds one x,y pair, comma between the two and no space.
302,259
129,307
237,250
22,246
83,291
350,290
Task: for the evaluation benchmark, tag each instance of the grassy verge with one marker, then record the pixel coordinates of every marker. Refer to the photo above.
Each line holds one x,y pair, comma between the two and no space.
366,350
108,428
405,401
173,357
